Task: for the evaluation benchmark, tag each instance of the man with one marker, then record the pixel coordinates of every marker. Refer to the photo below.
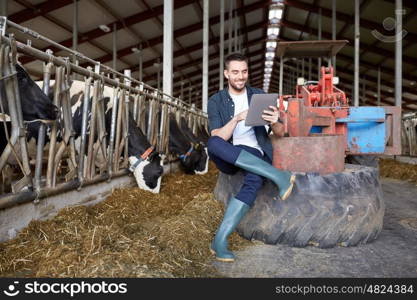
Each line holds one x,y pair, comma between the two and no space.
234,146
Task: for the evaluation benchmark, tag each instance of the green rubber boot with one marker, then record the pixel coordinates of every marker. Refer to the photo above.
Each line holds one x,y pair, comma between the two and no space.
283,179
235,211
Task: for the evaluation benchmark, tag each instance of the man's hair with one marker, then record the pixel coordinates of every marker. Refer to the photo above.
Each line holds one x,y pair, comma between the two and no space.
234,56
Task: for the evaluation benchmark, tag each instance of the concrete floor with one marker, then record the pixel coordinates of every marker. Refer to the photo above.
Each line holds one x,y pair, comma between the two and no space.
392,255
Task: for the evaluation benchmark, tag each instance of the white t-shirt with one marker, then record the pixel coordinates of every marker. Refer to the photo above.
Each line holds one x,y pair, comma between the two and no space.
243,135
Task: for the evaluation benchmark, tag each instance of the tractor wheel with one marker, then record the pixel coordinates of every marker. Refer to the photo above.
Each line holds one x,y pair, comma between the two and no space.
343,209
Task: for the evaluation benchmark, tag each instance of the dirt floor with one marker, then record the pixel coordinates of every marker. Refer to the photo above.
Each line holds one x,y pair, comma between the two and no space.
135,233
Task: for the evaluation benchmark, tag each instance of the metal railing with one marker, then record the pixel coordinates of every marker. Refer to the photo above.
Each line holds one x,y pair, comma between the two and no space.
95,155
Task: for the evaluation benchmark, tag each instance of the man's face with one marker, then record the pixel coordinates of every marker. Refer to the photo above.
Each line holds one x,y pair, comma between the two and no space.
237,74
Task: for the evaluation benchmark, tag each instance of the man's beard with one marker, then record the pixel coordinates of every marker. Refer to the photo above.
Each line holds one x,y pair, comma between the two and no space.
236,87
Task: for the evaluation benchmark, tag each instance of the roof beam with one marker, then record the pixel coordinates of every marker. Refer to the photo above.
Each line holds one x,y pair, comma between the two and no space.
211,57
215,67
190,49
64,26
343,17
38,10
129,21
408,3
181,32
213,84
307,22
376,50
161,26
197,81
362,6
368,65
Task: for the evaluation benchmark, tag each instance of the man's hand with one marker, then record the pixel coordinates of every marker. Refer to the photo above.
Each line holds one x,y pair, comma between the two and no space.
241,116
272,115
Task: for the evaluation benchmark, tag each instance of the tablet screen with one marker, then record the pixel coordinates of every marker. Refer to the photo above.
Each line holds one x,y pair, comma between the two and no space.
258,104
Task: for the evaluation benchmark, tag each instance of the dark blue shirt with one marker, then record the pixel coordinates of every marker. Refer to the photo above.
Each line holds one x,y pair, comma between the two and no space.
220,110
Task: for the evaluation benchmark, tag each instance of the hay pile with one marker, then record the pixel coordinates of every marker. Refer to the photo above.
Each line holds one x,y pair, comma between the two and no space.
398,170
133,233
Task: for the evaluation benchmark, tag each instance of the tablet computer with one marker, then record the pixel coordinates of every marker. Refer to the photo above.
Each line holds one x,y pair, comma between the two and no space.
258,104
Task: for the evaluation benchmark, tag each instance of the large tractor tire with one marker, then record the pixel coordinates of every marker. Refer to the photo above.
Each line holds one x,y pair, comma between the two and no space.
343,209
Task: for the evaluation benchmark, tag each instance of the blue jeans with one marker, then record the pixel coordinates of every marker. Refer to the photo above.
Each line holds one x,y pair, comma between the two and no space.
224,155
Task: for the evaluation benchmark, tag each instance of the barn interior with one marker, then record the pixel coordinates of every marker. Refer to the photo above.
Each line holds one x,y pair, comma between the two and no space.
75,214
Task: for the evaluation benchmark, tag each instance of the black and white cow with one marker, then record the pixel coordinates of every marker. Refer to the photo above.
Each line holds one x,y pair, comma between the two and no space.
144,161
189,153
36,106
202,134
201,167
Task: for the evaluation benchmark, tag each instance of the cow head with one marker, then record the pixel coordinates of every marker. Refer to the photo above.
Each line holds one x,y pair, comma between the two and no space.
201,167
35,104
190,160
147,171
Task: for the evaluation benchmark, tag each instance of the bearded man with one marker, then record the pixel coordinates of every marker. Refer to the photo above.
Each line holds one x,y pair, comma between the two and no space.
234,146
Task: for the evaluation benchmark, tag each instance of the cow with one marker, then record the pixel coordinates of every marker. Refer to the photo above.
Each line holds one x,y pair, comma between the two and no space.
201,167
145,163
35,104
190,154
202,134
36,108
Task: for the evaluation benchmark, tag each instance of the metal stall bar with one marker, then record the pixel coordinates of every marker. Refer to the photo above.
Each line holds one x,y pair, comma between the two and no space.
81,166
8,75
47,67
53,136
115,101
27,49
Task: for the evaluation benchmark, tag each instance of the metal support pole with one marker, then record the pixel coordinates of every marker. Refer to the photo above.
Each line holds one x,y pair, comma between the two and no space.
319,36
281,74
42,130
378,86
168,44
398,52
75,27
4,8
158,84
309,69
236,39
356,68
114,46
334,32
221,76
140,63
189,94
230,24
363,91
302,67
205,53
